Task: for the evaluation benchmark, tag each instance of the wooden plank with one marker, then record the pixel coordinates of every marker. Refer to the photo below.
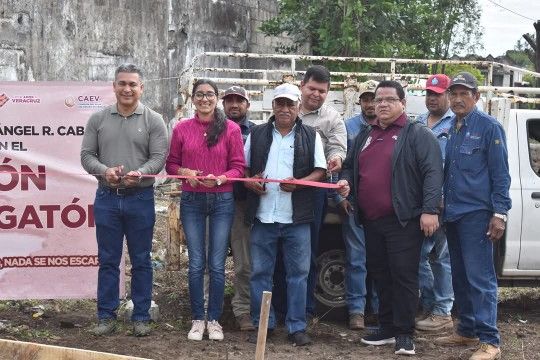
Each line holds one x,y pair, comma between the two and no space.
18,350
176,238
263,325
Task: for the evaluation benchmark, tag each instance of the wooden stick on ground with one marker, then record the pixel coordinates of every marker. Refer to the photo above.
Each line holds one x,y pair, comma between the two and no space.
18,350
263,325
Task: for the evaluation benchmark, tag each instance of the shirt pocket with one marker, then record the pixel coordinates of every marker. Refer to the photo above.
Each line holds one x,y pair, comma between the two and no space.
471,155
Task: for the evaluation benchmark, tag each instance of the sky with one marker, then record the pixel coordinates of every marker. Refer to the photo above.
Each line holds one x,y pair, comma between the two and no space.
502,28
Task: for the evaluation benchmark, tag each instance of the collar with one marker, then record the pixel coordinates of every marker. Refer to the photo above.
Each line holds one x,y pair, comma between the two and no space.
138,110
425,116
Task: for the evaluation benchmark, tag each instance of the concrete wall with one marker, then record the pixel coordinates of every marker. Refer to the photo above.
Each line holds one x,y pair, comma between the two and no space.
45,40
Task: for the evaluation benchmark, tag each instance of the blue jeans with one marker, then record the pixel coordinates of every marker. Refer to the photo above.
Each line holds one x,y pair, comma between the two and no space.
473,276
435,275
279,295
131,216
319,210
296,250
195,208
356,272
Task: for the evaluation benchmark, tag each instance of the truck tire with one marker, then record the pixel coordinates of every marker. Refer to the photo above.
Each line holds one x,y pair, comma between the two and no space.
330,289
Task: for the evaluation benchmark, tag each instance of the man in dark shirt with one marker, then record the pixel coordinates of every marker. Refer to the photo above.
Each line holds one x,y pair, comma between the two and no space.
359,290
236,106
476,203
395,169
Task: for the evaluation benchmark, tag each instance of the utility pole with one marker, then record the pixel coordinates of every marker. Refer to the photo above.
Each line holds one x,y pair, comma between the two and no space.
535,45
537,50
534,55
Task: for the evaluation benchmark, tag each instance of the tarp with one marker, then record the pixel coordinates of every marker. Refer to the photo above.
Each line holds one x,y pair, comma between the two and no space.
47,237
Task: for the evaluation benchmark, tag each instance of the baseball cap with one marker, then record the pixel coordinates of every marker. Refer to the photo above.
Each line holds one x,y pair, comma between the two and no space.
236,90
367,87
438,83
465,79
288,91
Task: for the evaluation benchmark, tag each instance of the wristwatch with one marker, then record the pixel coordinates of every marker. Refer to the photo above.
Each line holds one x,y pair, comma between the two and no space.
503,217
218,182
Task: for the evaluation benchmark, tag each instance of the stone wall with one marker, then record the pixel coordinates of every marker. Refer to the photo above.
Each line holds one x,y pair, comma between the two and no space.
46,40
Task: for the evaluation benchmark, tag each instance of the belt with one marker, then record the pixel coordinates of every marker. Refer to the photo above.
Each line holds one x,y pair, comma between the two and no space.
124,191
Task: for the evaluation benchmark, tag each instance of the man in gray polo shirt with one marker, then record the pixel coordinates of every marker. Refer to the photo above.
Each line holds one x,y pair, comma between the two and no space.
121,144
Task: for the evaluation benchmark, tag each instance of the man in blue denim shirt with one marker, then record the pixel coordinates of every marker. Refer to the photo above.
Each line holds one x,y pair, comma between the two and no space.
353,234
476,199
435,275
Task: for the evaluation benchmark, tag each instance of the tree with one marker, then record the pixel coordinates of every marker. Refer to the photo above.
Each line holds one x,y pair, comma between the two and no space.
523,56
379,28
523,45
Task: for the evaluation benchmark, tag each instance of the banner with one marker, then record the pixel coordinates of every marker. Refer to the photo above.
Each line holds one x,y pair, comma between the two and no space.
47,238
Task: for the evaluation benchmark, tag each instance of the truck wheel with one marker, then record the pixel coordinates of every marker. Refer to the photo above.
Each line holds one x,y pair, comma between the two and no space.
330,289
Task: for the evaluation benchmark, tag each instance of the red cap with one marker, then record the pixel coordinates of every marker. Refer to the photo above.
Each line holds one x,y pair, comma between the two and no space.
438,83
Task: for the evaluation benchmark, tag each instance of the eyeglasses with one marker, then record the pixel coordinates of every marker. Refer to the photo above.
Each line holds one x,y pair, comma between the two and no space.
379,101
200,95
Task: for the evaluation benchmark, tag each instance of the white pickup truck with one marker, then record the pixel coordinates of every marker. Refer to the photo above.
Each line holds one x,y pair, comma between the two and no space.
517,255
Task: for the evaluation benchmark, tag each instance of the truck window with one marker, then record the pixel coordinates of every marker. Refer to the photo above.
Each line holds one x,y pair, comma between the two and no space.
533,132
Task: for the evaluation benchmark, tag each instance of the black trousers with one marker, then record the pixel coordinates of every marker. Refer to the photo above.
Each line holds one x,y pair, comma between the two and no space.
393,257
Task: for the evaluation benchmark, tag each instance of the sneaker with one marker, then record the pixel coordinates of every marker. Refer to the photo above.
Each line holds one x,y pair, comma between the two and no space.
486,352
435,322
404,345
141,328
254,335
104,327
299,338
197,330
381,337
356,321
215,332
245,323
456,340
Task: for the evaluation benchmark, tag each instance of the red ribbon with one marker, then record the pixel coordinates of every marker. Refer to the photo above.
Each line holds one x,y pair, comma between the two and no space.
259,180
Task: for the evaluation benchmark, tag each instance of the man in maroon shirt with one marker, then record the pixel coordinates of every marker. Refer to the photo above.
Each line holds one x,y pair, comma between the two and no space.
396,173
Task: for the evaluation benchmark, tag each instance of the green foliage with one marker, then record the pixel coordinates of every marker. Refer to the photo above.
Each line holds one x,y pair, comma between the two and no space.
229,290
520,59
379,28
452,70
523,55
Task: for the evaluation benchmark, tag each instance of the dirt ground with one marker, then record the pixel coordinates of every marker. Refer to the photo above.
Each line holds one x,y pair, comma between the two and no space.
67,323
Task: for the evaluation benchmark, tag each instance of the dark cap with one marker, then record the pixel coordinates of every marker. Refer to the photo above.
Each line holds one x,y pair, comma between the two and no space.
236,90
465,79
438,83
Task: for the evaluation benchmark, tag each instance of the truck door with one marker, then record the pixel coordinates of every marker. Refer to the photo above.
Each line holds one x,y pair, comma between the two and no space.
529,159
